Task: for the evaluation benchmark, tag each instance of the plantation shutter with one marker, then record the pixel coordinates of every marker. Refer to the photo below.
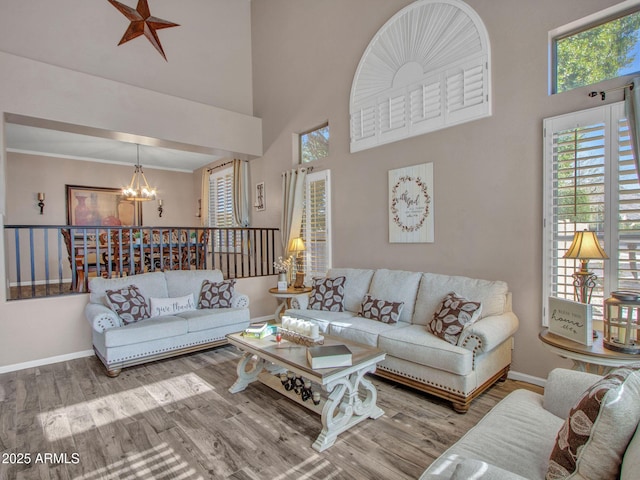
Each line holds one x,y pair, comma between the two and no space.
316,225
590,183
221,206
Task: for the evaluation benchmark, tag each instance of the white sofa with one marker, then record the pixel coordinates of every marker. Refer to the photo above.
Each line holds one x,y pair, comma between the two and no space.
119,345
416,357
515,439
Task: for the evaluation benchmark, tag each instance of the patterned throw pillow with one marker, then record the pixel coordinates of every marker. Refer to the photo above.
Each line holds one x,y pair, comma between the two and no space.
327,294
128,303
593,439
216,295
381,310
454,314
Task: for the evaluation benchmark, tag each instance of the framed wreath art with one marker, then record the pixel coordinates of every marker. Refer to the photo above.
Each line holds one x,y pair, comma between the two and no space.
411,204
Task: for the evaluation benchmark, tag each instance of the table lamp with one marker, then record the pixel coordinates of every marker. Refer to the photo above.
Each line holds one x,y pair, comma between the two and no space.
585,247
296,245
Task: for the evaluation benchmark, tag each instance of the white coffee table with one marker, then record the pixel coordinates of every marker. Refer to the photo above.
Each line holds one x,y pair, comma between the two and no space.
348,397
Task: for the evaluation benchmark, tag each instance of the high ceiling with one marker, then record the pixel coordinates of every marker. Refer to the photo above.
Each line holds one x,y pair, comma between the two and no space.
104,147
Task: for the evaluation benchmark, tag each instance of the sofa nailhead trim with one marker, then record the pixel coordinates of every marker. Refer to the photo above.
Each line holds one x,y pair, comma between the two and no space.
419,379
475,349
131,357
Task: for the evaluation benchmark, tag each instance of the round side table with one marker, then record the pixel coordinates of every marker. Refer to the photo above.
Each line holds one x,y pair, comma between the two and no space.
594,359
284,297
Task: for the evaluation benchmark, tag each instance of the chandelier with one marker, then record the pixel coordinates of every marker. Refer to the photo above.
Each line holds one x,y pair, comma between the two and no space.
139,189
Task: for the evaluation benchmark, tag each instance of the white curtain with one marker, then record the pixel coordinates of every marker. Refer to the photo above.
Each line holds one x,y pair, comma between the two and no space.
241,192
632,110
204,198
293,184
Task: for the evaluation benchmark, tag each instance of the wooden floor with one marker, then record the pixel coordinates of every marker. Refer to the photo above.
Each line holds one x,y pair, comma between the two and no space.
175,419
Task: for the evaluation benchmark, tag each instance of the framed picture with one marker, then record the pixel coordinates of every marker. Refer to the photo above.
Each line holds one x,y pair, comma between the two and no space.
411,204
571,320
260,202
100,206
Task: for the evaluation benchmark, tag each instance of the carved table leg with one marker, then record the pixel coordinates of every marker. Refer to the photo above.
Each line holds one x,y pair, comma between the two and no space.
245,377
256,365
345,407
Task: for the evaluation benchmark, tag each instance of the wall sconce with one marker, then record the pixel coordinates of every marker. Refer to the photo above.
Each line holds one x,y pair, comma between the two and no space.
199,210
41,201
160,207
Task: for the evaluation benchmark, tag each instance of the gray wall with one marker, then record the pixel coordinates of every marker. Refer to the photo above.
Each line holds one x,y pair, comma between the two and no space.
487,173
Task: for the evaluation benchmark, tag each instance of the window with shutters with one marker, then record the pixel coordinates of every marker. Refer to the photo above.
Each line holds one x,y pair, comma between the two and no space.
590,182
316,225
427,68
221,208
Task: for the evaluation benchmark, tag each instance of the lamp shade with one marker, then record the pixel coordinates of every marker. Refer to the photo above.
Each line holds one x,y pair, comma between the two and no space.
296,245
585,246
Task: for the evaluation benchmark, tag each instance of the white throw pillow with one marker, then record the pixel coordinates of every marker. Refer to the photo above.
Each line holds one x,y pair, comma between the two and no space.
171,306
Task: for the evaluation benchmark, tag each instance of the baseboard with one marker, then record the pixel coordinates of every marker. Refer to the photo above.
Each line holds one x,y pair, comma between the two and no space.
45,361
86,353
523,377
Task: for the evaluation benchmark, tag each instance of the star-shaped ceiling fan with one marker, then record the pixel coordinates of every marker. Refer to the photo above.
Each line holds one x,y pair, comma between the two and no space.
142,23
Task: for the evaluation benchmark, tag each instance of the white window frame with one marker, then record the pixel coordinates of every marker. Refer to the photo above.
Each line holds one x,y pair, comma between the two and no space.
611,116
306,232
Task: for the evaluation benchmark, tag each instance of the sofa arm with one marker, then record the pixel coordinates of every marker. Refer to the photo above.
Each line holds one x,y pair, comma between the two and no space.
489,332
563,389
300,302
101,318
239,300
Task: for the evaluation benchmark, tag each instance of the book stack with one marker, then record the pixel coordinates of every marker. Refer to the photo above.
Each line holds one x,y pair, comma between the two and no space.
329,356
258,330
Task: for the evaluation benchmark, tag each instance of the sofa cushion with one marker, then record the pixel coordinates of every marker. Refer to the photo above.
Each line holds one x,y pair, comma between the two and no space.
454,314
151,284
183,282
357,282
198,320
216,294
171,305
593,439
129,303
517,436
359,330
327,294
396,286
631,459
414,344
380,310
433,287
146,331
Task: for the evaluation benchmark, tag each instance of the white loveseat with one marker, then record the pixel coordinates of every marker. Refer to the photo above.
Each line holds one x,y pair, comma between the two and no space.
416,357
515,439
119,345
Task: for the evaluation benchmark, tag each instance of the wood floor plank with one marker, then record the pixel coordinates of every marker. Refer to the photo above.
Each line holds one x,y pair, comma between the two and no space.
175,419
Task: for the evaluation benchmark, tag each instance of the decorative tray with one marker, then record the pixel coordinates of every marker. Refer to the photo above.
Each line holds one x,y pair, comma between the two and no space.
295,337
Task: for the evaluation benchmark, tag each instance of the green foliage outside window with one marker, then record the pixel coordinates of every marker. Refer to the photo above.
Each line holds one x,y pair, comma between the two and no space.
606,51
314,145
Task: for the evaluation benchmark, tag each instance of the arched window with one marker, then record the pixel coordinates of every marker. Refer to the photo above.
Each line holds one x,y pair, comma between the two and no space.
427,68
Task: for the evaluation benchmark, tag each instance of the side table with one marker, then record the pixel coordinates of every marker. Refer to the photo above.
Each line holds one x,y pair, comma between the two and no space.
284,297
594,359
